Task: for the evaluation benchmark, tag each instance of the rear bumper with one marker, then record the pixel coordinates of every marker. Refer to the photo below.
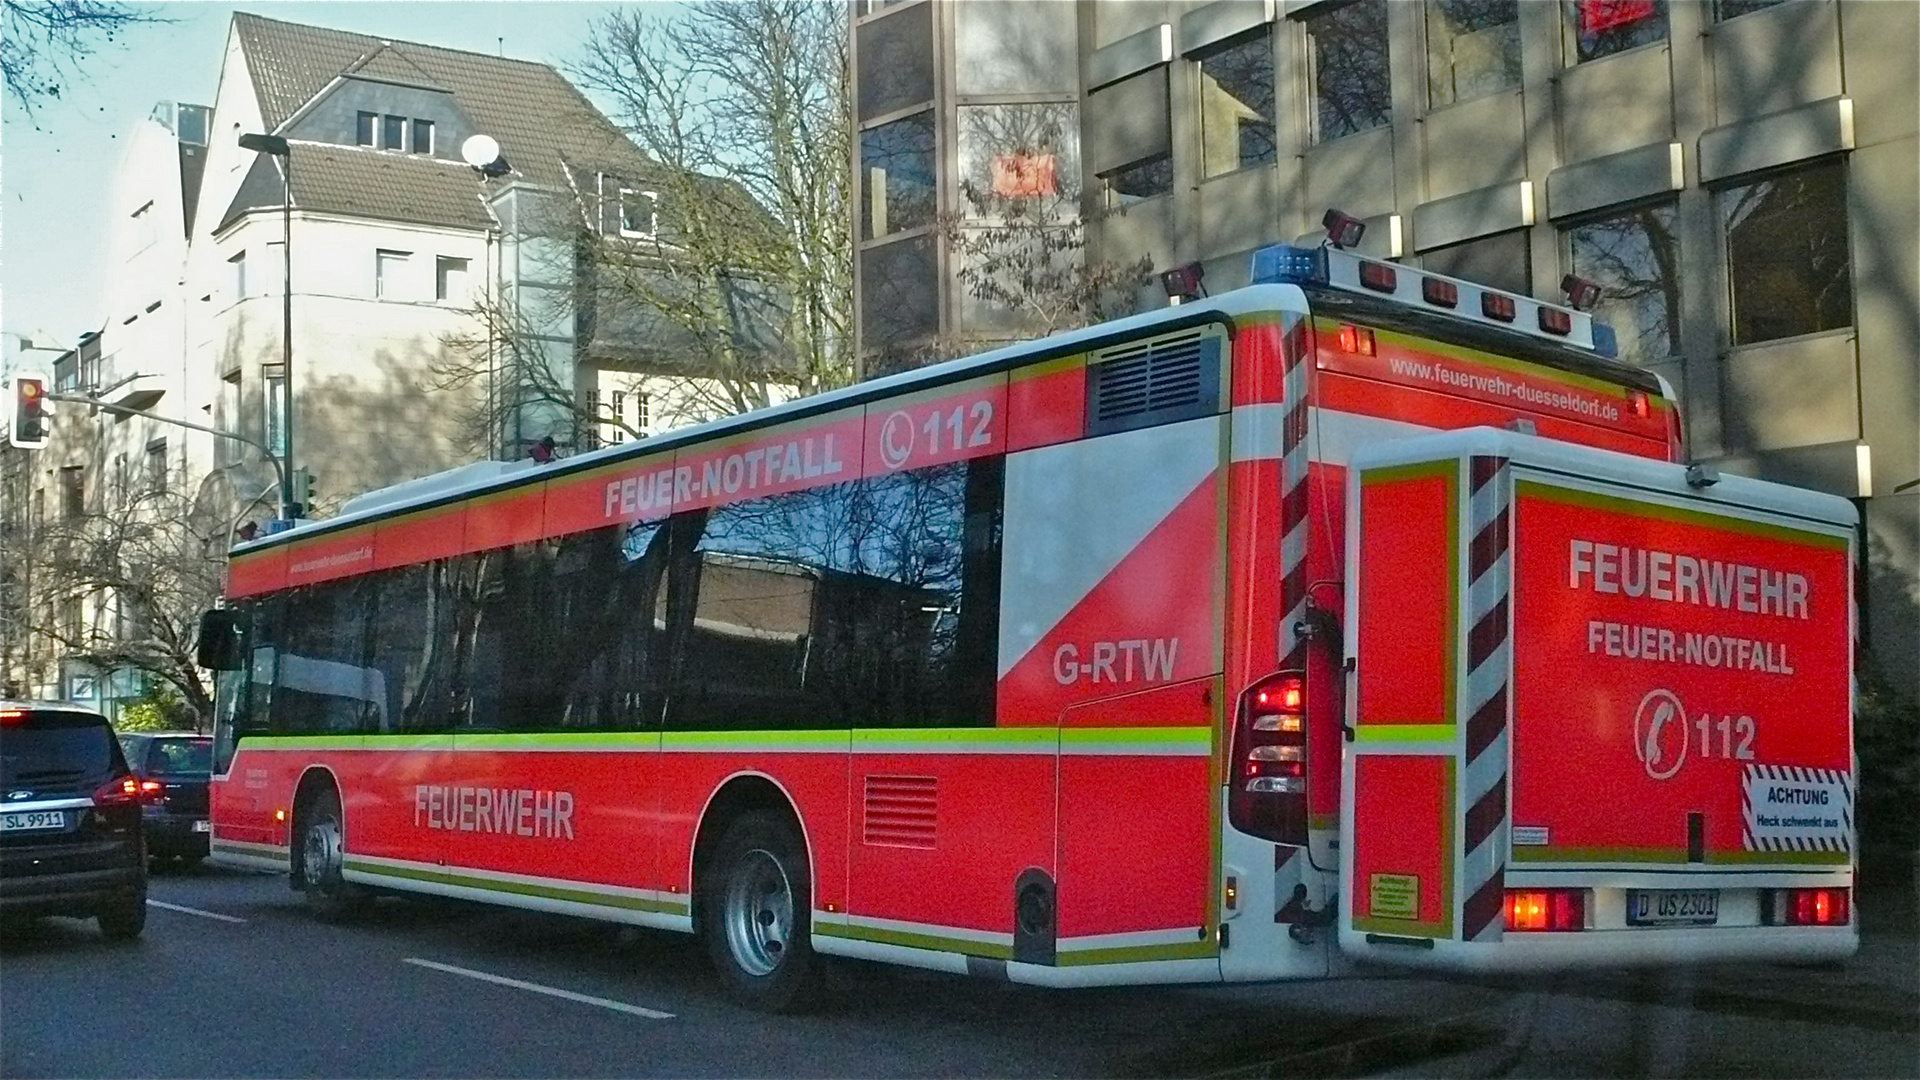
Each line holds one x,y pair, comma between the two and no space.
1596,949
174,834
72,893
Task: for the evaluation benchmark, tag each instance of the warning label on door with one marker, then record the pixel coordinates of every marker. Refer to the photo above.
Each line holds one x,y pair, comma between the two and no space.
1794,809
1394,896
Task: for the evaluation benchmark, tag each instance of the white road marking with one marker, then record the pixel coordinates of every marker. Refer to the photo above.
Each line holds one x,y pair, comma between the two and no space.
195,911
585,999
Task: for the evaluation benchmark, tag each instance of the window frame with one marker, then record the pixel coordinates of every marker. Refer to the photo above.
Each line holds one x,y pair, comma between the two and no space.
415,127
441,265
1836,164
1668,202
652,232
382,289
1572,33
366,129
1317,17
1259,35
1432,11
389,124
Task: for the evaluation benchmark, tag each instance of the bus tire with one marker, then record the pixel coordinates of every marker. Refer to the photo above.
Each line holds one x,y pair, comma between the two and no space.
755,913
323,859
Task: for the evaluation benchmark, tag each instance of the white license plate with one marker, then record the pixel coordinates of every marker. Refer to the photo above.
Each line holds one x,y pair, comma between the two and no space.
202,826
30,820
1673,907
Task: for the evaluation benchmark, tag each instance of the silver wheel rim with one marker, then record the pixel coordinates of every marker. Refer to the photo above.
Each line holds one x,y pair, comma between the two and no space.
320,854
757,913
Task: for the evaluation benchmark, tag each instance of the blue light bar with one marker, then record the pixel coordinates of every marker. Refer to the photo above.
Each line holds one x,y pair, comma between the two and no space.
1286,264
1604,341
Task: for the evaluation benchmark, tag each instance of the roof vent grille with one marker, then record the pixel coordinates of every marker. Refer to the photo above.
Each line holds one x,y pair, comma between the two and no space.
1142,384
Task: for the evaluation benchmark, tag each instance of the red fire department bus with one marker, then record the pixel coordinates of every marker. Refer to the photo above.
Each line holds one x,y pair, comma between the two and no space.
1357,614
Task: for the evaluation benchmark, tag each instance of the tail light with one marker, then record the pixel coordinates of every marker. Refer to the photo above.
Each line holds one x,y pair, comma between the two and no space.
1808,907
1439,292
1555,321
1553,910
1379,277
1638,404
121,789
1495,306
1356,339
1267,779
152,789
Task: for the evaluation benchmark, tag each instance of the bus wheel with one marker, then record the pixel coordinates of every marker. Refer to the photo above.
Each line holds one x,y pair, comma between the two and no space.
754,913
322,857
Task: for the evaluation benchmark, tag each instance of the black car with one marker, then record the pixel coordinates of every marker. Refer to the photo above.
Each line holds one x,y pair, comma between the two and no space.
173,768
71,841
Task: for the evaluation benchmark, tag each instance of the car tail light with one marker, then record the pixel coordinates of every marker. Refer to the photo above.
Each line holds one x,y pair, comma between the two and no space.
121,789
1555,321
1546,909
1356,339
1497,306
1267,781
1810,907
1439,292
11,717
152,789
1379,277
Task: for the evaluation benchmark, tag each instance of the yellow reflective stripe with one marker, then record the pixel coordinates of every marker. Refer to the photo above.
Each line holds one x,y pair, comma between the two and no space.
1378,733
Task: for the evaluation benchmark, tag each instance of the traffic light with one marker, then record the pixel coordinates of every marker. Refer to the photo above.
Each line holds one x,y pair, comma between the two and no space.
30,412
303,492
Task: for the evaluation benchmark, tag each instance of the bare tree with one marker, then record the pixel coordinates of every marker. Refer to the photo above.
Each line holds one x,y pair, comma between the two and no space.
725,269
1018,243
122,585
46,42
745,108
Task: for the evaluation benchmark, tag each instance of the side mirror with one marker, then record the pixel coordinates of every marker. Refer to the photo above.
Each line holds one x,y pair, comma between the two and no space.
218,648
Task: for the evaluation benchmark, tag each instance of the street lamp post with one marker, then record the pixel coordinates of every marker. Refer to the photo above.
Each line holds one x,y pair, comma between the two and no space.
276,146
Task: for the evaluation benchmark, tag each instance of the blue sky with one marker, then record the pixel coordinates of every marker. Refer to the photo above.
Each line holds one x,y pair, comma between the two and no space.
56,180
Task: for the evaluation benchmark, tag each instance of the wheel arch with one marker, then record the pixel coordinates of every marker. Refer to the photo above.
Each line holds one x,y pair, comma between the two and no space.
314,781
743,793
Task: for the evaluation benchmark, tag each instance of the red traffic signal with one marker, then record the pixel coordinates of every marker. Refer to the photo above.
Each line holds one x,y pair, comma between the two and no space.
29,425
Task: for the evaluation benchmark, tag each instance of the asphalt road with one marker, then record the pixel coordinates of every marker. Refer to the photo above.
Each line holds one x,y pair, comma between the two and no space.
233,979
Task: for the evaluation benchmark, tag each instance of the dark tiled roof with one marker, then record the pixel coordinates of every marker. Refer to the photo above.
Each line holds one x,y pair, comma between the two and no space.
367,183
395,187
540,119
388,64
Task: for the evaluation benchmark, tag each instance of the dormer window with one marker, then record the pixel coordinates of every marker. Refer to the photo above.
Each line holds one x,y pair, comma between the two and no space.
423,136
364,131
393,133
638,213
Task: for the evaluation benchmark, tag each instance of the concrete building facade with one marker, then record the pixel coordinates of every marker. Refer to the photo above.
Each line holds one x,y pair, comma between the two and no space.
1742,178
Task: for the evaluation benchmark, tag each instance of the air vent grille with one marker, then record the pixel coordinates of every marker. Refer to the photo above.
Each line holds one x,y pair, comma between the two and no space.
1154,382
900,811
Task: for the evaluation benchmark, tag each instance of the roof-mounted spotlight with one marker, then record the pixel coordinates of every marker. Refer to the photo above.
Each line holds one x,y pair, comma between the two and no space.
1581,294
1343,230
483,153
1183,283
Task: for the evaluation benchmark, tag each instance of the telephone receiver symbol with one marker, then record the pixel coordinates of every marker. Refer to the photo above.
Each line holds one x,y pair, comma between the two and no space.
1661,715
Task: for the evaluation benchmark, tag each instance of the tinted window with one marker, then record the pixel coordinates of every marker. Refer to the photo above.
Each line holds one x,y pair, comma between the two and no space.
1787,254
1351,88
1473,49
870,604
1604,27
320,676
180,757
56,750
559,634
1634,257
1236,104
